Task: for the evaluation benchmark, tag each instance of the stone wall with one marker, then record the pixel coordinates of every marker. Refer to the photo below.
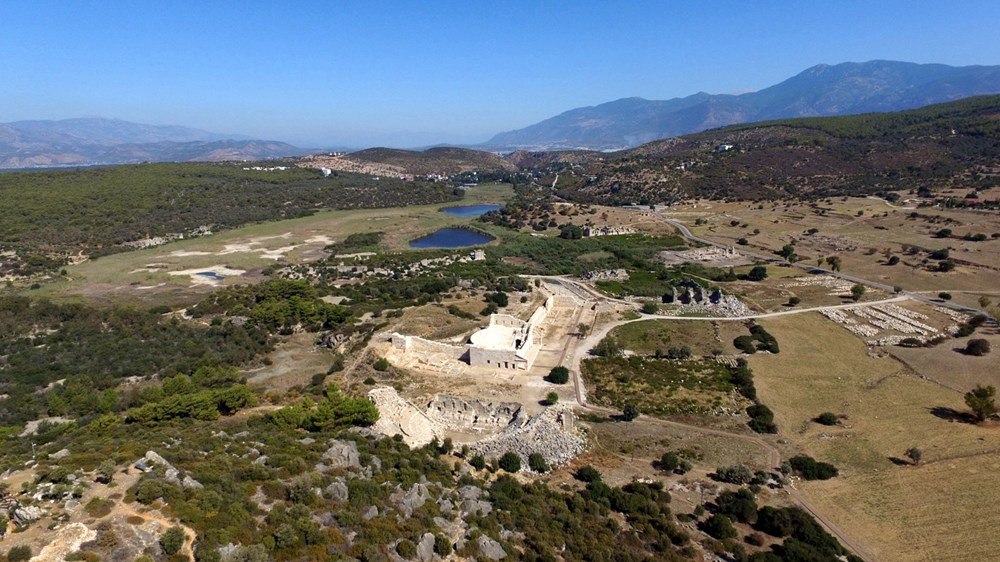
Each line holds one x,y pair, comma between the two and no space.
416,343
496,358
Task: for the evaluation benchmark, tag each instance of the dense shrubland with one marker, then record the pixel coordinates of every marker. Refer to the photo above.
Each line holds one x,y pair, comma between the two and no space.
92,350
97,210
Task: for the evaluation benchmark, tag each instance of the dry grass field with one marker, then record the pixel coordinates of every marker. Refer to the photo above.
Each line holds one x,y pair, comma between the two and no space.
703,338
861,240
900,512
946,365
626,450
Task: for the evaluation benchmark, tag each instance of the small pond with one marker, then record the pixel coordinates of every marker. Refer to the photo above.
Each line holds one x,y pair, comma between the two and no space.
211,275
450,238
470,210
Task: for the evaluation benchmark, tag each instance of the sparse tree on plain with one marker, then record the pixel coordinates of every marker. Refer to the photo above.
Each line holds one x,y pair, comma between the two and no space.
977,347
630,412
982,401
857,292
914,454
558,375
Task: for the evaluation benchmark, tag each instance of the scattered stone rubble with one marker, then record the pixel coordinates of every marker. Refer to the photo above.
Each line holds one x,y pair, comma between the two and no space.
606,275
457,413
837,285
713,256
591,231
551,434
727,306
160,240
171,474
887,324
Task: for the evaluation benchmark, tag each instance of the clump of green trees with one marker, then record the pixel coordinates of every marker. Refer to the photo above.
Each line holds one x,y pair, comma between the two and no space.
758,340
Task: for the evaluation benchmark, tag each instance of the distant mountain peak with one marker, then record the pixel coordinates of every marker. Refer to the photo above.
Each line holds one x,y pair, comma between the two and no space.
103,140
824,89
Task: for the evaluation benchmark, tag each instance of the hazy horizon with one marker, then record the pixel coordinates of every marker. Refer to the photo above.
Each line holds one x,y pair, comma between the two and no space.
416,74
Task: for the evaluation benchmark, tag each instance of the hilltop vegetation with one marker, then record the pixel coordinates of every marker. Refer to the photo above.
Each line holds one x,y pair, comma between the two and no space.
441,160
98,211
953,144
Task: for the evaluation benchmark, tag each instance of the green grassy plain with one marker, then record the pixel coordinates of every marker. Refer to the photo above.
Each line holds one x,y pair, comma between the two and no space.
120,276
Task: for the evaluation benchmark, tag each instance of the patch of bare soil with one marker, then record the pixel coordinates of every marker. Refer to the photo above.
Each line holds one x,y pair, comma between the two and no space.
293,362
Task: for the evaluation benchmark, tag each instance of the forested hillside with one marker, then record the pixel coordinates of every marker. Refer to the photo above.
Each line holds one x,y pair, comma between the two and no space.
98,211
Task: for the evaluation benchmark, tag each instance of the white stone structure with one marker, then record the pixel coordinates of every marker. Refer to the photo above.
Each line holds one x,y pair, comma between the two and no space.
506,343
589,231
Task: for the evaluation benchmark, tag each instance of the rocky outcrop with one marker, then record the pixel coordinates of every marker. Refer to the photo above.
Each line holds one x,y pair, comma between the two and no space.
410,500
551,434
490,549
153,460
471,502
399,417
23,515
342,454
425,548
337,490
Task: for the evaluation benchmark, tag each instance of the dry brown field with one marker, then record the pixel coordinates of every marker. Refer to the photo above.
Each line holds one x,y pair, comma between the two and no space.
704,338
629,448
862,241
948,366
940,510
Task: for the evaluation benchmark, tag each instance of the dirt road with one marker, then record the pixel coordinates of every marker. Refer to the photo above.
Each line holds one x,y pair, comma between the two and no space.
576,349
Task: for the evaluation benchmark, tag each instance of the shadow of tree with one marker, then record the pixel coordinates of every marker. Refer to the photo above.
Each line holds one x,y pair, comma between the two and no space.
899,462
952,414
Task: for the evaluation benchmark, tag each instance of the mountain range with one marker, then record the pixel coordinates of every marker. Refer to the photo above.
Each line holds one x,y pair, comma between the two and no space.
99,141
823,90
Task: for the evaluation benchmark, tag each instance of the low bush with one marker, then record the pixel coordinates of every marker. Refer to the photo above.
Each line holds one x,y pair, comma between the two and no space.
811,469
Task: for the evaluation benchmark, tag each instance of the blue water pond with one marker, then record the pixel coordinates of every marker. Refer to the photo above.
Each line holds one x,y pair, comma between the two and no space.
470,210
211,275
450,238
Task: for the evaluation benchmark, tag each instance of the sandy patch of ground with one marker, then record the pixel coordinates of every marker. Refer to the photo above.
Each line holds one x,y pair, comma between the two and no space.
254,246
64,541
293,362
188,253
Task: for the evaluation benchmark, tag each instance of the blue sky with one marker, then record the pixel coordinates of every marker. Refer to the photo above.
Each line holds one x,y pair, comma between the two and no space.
318,73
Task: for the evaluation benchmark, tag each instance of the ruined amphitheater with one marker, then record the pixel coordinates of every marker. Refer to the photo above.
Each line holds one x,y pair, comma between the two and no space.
491,428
